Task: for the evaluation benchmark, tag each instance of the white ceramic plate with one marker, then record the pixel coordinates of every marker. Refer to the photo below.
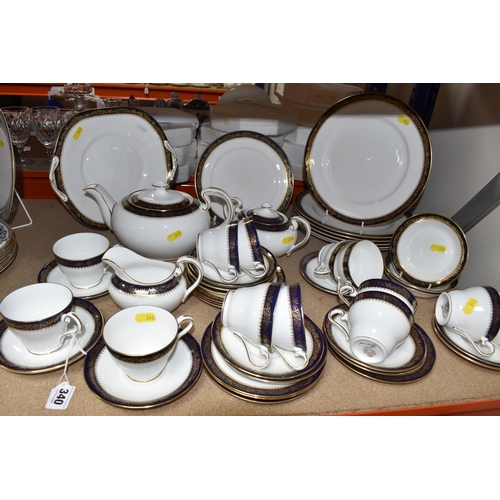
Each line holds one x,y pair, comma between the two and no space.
368,159
123,149
7,170
248,166
429,249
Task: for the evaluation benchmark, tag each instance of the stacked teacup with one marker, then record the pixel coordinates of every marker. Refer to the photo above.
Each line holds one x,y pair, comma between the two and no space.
261,347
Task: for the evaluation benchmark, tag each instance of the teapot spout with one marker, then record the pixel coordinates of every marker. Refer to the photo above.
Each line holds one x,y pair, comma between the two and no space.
104,201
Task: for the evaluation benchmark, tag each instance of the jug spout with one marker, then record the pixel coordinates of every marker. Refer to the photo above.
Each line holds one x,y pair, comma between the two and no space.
136,269
104,201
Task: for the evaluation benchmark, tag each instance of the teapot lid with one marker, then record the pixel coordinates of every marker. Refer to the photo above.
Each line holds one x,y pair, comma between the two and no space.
160,201
267,215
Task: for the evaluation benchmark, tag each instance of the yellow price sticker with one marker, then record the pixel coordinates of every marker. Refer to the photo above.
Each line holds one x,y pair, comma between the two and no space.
174,236
77,133
404,120
1,143
438,248
470,306
287,239
145,318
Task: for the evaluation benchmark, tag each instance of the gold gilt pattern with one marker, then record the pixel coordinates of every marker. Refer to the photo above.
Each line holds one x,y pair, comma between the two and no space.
299,335
233,253
388,299
253,239
266,325
495,309
37,325
464,252
88,115
427,156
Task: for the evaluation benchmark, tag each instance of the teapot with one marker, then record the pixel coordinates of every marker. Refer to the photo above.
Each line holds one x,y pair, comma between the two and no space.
276,231
157,223
140,281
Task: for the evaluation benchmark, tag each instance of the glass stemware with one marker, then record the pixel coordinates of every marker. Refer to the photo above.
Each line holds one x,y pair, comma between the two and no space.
47,123
19,120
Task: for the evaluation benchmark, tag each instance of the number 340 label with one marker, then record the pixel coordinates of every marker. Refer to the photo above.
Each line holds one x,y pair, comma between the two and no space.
60,396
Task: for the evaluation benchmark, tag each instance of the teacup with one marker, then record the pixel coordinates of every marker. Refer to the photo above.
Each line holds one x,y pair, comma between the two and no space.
142,339
39,316
473,313
79,256
232,248
380,285
375,325
269,316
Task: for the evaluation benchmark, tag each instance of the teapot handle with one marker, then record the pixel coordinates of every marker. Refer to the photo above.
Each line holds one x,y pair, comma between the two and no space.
197,264
171,174
205,194
307,229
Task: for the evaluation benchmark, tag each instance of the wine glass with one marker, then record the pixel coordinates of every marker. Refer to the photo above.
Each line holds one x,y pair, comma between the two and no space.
47,123
18,120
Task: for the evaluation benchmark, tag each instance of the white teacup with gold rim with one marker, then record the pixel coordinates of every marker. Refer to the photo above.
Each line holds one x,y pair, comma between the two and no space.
375,324
142,339
473,313
41,316
79,256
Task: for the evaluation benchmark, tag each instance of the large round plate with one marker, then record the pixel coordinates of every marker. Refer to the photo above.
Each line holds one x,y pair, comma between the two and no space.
429,250
7,170
246,165
368,159
123,149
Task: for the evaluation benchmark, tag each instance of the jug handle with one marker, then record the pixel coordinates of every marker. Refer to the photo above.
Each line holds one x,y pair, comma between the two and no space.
197,264
307,229
171,174
205,194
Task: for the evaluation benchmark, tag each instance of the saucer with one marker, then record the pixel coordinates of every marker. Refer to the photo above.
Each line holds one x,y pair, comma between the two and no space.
14,357
51,273
254,391
307,265
409,356
109,383
233,351
460,346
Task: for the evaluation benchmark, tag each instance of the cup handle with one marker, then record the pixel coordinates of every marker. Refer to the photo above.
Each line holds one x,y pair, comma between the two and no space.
263,351
186,329
196,263
231,271
344,291
299,353
75,330
332,318
484,341
307,229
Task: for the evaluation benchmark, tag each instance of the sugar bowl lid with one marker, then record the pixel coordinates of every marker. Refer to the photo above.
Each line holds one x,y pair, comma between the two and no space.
266,215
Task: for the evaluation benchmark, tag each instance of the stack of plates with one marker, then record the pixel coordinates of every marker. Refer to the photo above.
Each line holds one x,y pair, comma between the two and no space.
328,228
428,252
410,362
226,361
212,291
460,346
8,246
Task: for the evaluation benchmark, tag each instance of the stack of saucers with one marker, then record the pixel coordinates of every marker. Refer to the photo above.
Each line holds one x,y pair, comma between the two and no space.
8,246
212,289
427,254
410,362
328,228
226,361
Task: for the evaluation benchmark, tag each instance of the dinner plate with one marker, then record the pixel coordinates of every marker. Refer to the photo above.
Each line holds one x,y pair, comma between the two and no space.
110,384
368,159
51,273
246,165
247,388
460,346
306,267
408,357
7,170
122,149
233,351
14,357
429,249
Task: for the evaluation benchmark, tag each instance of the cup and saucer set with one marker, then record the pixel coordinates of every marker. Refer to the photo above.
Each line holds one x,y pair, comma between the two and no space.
261,348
